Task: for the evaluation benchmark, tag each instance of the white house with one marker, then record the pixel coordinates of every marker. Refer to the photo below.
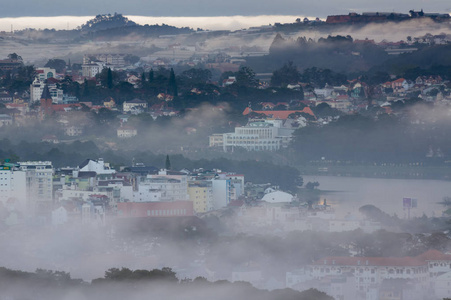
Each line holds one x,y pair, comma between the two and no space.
278,197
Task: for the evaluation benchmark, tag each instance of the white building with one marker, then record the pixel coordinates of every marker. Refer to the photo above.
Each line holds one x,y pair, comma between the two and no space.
45,73
37,87
257,135
5,120
73,130
39,183
126,131
278,197
13,190
98,166
426,270
91,69
146,193
222,191
134,105
442,285
166,186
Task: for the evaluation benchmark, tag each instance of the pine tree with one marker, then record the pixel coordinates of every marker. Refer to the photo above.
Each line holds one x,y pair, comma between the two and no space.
151,75
172,84
109,79
143,78
168,163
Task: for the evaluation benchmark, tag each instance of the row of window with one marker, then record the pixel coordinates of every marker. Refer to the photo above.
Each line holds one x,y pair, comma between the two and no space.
166,212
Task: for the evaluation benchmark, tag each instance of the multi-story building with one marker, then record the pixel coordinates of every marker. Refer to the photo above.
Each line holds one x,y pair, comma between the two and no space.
257,135
90,70
155,209
216,140
368,273
201,194
166,186
222,192
37,88
45,73
13,190
112,59
39,183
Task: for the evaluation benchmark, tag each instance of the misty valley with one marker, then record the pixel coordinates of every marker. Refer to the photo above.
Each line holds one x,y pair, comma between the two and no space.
303,160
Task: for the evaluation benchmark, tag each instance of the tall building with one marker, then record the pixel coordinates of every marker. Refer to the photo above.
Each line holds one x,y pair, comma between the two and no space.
39,184
13,190
201,194
37,89
173,186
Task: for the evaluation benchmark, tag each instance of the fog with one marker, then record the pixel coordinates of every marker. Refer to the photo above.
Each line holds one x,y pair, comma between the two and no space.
210,23
358,172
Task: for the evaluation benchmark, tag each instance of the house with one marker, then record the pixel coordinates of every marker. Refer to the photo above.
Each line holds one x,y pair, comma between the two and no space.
5,120
73,130
50,138
109,103
134,105
229,81
278,197
267,105
126,131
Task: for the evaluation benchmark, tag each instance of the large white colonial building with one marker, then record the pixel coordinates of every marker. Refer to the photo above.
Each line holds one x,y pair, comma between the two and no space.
257,135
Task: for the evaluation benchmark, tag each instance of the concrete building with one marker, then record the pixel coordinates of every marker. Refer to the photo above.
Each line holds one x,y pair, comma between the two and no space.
222,191
45,73
126,131
39,183
155,209
216,140
97,166
134,105
173,186
90,70
37,88
13,190
257,135
201,194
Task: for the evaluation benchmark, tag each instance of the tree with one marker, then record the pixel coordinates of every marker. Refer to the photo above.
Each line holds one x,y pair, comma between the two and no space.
167,163
172,84
151,75
109,79
312,185
246,77
288,74
14,56
58,64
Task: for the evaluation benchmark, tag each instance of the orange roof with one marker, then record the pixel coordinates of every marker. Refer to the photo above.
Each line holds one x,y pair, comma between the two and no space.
279,114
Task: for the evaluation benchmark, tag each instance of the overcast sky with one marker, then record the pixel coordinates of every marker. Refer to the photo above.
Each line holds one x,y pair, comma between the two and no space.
320,8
